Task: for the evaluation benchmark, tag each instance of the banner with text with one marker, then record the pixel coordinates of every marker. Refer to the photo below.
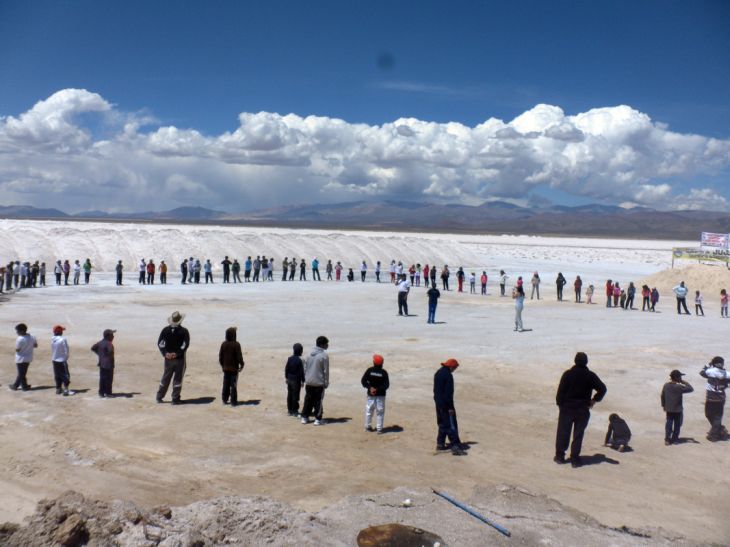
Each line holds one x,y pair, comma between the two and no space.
709,239
692,253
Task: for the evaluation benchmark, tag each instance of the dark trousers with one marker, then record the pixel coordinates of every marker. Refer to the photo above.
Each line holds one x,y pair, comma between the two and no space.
431,312
119,278
377,277
501,289
226,276
577,295
645,304
575,419
713,413
560,292
313,402
256,275
315,274
142,278
174,370
87,275
58,280
629,305
150,279
106,378
163,278
61,374
699,310
21,380
302,275
448,427
208,276
237,277
184,274
196,277
362,276
445,282
403,303
682,302
672,427
293,390
230,387
291,275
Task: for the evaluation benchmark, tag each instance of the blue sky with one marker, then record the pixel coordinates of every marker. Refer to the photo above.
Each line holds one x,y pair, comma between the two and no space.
195,66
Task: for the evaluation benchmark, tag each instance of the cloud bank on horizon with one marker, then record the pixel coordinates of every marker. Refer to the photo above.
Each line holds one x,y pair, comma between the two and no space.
77,151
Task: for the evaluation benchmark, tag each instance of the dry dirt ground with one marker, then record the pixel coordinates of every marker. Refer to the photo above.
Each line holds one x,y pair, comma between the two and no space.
130,448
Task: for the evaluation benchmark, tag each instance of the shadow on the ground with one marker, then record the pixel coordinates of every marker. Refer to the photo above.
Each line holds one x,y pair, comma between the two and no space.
250,402
687,440
41,388
197,401
124,395
596,459
392,429
337,420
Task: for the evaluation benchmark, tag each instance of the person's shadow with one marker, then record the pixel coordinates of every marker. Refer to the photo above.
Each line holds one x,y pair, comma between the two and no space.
687,440
122,395
392,429
40,388
336,420
596,459
250,402
197,401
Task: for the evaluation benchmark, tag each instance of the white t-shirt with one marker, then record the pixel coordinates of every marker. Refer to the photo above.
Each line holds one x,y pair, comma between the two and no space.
24,348
404,285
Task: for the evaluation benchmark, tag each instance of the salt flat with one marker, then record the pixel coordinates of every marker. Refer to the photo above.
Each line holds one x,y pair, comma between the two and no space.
131,448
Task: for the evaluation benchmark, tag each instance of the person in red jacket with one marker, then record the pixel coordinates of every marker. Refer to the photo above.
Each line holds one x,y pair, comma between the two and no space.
609,293
483,279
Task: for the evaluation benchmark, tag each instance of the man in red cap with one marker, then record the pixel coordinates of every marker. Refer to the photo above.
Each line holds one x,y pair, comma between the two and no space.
443,396
59,358
376,382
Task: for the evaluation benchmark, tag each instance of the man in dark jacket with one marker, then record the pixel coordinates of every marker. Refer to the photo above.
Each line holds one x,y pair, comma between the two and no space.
443,396
575,401
433,300
294,375
104,350
671,398
376,382
230,358
173,343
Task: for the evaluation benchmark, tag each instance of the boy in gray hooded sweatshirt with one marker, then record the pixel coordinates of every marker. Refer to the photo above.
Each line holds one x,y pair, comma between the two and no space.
316,380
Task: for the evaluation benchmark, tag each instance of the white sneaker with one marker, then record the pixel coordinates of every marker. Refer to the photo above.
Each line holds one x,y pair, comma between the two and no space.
318,422
305,421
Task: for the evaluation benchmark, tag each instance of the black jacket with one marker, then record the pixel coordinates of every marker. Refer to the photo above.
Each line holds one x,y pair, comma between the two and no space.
443,388
576,387
294,369
618,432
174,340
376,377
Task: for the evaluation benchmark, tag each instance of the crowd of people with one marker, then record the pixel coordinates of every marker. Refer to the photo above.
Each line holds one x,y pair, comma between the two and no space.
578,390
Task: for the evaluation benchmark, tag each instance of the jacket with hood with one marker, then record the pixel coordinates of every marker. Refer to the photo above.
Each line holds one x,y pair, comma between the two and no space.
230,356
59,349
317,368
443,388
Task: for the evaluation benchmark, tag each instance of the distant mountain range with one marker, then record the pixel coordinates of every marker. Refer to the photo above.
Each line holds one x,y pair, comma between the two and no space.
494,217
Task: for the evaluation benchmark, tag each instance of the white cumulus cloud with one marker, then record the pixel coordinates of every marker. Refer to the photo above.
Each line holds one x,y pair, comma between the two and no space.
52,155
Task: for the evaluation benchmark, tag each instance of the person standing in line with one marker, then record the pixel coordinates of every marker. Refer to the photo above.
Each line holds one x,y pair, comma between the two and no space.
292,269
183,271
191,270
284,268
77,272
294,376
247,270
723,303
577,286
317,380
630,295
717,382
208,268
173,343
256,268
654,298
350,275
671,398
535,286
609,292
502,282
328,269
151,272
443,396
460,279
445,277
87,271
163,272
433,295
698,304
403,287
270,276
377,271
645,298
302,271
376,383
57,271
680,292
226,270
24,346
59,360
483,281
426,272
41,274
616,294
575,401
2,279
391,270
104,350
315,270
119,270
412,273
16,273
560,282
34,273
230,358
589,294
197,267
338,271
236,269
418,274
399,269
142,272
264,268
518,293
25,275
363,271
472,283
432,274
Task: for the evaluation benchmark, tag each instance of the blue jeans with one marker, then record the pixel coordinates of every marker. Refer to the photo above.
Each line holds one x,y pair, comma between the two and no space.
673,425
431,312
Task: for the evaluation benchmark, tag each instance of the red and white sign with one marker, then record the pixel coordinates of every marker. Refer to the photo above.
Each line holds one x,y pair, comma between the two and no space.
715,240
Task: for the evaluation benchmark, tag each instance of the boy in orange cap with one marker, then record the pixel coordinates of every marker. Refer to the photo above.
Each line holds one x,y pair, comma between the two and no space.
376,382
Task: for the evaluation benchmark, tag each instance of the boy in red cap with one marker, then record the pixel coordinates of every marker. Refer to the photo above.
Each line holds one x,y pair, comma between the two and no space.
376,382
59,358
443,396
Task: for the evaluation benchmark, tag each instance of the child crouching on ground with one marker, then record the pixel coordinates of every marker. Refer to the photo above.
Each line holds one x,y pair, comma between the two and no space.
376,382
294,375
618,434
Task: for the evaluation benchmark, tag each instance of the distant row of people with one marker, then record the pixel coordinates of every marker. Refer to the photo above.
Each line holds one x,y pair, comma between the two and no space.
25,275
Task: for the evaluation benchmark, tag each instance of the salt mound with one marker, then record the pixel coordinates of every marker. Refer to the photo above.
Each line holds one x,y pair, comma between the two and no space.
706,278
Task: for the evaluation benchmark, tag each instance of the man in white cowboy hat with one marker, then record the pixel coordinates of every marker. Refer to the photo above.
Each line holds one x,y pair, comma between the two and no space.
173,342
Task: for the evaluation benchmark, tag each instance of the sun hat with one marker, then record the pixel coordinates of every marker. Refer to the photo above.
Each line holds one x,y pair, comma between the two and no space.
175,319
